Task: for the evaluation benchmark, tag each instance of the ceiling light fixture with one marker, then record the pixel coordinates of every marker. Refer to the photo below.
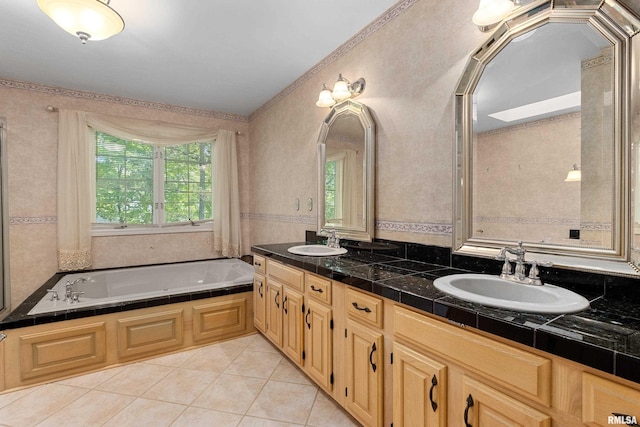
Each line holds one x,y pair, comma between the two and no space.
491,12
86,19
574,174
342,90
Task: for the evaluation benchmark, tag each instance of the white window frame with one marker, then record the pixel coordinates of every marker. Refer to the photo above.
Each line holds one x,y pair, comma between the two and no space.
158,226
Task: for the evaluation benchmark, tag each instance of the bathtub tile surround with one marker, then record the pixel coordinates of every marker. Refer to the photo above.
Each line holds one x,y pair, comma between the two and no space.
605,337
179,390
20,317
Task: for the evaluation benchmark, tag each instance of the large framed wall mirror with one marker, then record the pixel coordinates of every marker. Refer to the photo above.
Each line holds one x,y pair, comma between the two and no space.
546,120
346,161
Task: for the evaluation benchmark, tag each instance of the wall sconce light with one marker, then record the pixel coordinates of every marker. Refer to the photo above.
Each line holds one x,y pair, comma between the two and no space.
86,19
491,12
574,175
342,90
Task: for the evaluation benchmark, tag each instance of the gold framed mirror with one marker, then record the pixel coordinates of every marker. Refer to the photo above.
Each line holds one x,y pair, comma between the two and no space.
346,164
544,133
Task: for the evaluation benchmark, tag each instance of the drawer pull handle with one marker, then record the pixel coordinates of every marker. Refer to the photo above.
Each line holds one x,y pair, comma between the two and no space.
284,304
314,289
373,365
276,299
357,307
257,263
466,411
306,318
434,383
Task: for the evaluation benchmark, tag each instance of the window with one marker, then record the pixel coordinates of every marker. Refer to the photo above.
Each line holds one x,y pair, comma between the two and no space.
139,184
333,191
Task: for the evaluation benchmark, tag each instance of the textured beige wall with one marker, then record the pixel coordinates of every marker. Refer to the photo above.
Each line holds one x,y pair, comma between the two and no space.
32,166
411,66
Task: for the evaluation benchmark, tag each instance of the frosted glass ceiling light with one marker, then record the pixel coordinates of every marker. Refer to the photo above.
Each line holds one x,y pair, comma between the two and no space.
86,19
491,12
342,90
574,175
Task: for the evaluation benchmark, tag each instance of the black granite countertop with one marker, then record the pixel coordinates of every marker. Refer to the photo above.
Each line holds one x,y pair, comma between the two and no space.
606,336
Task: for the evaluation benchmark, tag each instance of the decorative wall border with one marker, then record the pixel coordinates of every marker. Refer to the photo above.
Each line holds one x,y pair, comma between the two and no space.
72,93
27,220
298,219
414,227
392,13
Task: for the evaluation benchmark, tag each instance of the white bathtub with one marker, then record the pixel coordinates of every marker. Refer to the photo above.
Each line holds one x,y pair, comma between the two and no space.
131,284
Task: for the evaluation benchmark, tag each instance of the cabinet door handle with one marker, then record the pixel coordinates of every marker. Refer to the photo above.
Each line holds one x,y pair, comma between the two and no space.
466,411
434,383
284,304
276,299
306,318
373,365
260,289
357,307
318,290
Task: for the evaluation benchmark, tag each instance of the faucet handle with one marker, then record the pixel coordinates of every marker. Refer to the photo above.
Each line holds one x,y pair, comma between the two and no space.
54,294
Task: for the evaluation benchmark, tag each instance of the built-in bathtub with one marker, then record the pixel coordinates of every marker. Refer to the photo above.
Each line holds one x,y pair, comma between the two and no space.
90,289
124,315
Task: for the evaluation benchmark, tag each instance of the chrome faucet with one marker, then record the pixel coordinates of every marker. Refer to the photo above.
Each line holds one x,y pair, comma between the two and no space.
69,294
519,275
333,241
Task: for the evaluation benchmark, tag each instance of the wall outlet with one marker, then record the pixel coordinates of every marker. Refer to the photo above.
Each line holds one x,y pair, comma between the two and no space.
574,234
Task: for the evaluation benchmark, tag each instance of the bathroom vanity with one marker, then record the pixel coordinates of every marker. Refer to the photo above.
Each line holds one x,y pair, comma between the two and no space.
377,336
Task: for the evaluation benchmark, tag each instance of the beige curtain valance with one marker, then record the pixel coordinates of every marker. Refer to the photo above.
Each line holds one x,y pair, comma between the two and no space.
151,131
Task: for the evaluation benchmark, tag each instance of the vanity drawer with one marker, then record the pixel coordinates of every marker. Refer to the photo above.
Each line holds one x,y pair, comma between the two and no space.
318,288
522,372
286,275
259,264
364,307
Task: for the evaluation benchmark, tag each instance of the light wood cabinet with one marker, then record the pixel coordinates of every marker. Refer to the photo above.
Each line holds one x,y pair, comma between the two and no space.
292,332
260,302
364,357
274,311
318,343
437,373
605,402
487,407
419,389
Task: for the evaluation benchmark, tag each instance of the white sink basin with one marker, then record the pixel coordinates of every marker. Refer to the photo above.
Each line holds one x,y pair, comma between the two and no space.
316,250
496,292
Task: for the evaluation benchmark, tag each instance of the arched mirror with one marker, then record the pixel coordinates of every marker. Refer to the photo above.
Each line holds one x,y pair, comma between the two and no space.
543,114
346,160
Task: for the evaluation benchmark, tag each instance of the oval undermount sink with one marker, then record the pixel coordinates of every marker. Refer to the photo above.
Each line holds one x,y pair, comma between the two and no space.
496,292
316,250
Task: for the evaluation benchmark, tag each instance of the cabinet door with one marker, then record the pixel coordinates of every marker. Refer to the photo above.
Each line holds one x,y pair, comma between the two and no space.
292,342
419,389
274,312
605,402
259,303
319,343
487,407
365,361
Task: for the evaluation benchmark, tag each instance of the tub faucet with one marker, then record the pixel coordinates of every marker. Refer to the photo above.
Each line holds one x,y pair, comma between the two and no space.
69,294
519,275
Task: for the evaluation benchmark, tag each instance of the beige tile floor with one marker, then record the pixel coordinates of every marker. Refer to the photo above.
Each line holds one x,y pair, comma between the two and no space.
241,382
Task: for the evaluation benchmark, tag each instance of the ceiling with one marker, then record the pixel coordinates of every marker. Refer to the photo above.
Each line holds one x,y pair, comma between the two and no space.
228,56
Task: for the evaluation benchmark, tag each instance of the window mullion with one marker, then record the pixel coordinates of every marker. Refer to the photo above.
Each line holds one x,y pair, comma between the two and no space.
158,186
